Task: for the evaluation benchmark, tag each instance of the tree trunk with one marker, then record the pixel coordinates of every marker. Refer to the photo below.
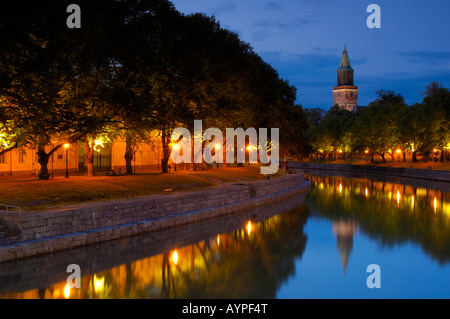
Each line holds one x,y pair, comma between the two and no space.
383,158
414,157
128,155
89,158
43,158
166,151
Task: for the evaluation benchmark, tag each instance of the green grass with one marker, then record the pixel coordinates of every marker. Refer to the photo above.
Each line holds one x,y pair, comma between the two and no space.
33,194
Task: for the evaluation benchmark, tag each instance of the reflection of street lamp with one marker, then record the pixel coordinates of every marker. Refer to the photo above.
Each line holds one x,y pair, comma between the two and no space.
66,146
398,155
175,147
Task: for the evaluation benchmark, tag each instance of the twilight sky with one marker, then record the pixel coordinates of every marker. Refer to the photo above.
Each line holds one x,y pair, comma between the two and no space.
304,39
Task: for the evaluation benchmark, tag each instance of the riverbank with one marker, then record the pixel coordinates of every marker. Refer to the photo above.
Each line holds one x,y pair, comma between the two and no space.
429,165
69,227
427,174
32,194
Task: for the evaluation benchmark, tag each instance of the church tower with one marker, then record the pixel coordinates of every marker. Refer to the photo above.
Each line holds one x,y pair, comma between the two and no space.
345,94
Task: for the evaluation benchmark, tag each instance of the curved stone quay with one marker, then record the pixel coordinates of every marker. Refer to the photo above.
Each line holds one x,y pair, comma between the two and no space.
70,227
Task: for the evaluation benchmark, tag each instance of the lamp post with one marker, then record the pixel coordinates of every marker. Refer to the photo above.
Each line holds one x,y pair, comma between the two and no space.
175,147
66,146
217,148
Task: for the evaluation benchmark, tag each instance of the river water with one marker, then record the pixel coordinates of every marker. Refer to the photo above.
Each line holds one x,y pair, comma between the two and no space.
318,244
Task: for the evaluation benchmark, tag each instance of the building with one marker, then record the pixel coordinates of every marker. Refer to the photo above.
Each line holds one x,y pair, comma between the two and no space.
24,161
345,94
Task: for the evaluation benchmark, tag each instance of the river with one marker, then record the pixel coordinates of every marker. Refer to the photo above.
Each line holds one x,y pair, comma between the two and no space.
317,244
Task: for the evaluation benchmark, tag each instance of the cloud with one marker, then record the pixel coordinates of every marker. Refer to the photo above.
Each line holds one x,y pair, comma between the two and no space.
273,6
427,57
228,7
283,24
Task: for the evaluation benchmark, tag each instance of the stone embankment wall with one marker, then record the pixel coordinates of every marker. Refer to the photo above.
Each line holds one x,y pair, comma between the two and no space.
85,224
436,175
45,270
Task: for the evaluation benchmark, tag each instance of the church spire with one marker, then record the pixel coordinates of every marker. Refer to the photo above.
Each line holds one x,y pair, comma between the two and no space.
345,94
345,60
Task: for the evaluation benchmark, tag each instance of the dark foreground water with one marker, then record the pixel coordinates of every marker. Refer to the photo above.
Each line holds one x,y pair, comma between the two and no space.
315,245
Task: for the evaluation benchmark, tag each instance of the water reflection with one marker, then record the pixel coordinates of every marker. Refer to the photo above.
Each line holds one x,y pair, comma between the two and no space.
313,247
250,261
390,212
344,231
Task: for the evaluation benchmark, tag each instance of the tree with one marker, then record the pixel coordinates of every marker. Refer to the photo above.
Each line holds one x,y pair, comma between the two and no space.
376,127
436,112
54,80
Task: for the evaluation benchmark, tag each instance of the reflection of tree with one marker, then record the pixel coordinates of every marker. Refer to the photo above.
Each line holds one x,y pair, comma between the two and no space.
242,265
251,262
389,212
233,265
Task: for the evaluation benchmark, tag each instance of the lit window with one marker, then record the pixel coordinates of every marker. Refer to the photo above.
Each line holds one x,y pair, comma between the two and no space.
22,156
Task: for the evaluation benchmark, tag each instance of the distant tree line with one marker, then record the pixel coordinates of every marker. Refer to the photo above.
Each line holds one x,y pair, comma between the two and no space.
133,68
387,127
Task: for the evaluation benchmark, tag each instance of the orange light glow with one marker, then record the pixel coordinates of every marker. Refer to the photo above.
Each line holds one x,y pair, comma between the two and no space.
398,151
249,148
175,257
398,198
249,227
366,192
340,188
66,145
218,240
67,291
217,146
435,204
175,147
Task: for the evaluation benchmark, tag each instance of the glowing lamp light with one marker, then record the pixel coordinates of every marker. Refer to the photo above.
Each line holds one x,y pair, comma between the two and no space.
99,283
435,150
175,257
398,198
66,146
435,204
67,291
217,146
249,227
175,147
398,151
366,151
249,148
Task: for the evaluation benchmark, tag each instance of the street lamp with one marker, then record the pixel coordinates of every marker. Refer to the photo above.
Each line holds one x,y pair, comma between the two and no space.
66,146
217,148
